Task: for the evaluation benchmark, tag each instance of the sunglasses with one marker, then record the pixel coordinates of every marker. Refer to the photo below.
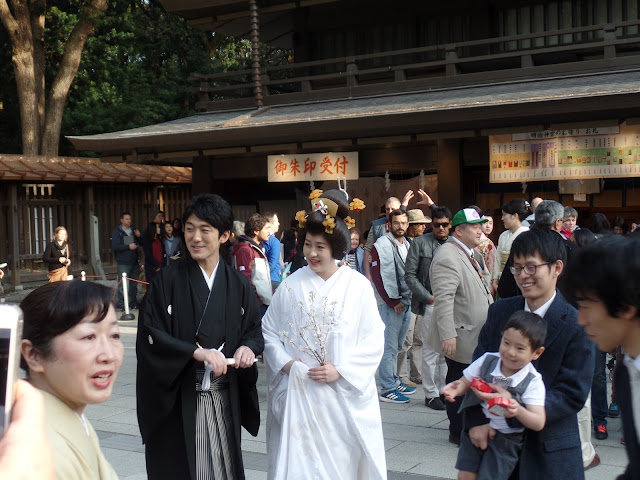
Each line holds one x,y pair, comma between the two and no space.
440,225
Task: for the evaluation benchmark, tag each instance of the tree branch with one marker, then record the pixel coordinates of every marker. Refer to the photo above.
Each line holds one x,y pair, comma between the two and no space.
66,74
8,21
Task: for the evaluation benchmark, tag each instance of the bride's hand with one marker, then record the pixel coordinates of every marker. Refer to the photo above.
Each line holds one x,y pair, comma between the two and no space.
326,373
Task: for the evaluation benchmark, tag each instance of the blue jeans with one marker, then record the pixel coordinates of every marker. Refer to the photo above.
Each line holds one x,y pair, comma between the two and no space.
132,271
396,327
599,407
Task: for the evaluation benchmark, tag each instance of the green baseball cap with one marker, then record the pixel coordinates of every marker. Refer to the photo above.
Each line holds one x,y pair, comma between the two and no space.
467,215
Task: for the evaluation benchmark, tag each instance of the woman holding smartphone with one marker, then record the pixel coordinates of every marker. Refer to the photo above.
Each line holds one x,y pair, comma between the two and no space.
71,351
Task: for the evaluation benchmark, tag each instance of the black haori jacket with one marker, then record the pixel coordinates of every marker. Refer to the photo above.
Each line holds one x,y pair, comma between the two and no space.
165,385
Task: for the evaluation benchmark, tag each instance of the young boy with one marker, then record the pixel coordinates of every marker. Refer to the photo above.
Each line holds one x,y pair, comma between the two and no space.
566,366
569,222
604,283
510,374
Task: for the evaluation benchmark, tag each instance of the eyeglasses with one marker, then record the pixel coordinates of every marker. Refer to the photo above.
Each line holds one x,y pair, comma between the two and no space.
400,224
440,225
528,269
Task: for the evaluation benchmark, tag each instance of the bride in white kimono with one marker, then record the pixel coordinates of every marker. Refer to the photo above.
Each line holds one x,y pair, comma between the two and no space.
323,343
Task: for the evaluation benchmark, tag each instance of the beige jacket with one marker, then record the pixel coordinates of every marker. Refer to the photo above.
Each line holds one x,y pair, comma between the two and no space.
461,300
77,453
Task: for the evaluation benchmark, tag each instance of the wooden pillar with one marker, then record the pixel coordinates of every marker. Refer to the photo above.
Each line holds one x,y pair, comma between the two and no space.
79,232
87,211
14,237
449,153
201,175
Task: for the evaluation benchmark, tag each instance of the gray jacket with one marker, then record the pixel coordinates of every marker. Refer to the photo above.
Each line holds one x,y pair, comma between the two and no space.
417,270
388,271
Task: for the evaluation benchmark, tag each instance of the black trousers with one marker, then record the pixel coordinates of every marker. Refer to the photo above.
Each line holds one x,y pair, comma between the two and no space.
454,372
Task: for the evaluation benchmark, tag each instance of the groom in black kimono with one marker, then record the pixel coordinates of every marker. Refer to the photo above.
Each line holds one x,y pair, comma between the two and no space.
197,313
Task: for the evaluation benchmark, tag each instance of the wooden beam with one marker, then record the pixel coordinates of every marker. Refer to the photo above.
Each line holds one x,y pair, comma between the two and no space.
426,137
14,240
380,140
287,147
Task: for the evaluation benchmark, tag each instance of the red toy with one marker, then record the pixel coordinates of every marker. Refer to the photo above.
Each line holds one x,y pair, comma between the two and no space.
481,385
498,406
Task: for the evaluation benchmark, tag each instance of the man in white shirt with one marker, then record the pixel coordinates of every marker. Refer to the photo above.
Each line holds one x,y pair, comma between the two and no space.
566,366
602,281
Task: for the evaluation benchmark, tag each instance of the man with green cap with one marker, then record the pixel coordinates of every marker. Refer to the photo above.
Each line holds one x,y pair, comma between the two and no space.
462,298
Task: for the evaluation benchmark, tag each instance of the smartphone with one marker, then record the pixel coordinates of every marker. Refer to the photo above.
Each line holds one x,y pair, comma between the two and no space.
10,338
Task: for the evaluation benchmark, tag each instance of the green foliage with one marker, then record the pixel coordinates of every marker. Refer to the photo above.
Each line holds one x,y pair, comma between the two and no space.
134,69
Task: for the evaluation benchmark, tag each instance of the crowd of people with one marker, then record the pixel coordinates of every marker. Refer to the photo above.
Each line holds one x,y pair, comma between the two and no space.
510,338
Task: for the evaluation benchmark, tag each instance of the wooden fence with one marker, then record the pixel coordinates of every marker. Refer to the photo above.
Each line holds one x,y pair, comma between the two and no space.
37,209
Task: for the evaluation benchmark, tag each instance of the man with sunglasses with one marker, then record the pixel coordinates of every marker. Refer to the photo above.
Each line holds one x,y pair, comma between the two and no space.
566,366
433,367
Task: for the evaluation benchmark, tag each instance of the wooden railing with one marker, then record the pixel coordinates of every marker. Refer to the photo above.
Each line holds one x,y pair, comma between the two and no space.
453,63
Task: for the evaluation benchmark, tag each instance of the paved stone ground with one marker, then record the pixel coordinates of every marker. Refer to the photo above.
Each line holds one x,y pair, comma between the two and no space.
416,438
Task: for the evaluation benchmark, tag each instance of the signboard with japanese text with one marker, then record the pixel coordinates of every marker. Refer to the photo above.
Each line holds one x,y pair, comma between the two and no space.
572,153
313,166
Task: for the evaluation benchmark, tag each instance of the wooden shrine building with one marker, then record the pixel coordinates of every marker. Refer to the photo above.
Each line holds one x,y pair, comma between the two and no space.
38,194
415,88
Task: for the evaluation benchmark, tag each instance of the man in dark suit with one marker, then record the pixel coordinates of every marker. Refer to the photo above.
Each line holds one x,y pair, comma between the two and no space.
604,283
566,365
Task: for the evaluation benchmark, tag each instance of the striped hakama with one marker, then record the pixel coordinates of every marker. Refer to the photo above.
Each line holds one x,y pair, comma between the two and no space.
217,457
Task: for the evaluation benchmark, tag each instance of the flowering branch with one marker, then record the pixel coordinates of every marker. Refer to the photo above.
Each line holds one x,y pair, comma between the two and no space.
314,330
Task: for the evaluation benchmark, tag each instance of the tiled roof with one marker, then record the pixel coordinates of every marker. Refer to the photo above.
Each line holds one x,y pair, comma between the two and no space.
202,130
64,169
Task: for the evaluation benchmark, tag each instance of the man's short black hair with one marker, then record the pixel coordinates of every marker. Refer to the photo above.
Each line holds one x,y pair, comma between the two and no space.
531,326
255,223
124,213
607,270
211,208
396,213
441,212
549,244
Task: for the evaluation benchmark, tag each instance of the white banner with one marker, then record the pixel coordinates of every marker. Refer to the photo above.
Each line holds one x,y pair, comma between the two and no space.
565,154
314,166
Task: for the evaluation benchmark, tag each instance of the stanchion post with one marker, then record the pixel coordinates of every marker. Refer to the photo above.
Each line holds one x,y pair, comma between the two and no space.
127,315
83,274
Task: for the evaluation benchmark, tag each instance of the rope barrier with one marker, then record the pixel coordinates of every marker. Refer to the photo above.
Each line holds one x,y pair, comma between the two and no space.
85,276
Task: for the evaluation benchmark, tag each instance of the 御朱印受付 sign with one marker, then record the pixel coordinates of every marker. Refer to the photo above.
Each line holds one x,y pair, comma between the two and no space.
314,166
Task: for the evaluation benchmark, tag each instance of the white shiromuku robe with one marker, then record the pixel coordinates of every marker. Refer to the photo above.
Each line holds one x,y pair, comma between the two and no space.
324,430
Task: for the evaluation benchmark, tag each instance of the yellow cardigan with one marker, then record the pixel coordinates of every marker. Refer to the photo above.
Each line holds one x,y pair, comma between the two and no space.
77,455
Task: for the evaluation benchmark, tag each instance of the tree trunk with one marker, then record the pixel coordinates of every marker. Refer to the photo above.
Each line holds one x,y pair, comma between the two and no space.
18,26
66,73
41,121
38,11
